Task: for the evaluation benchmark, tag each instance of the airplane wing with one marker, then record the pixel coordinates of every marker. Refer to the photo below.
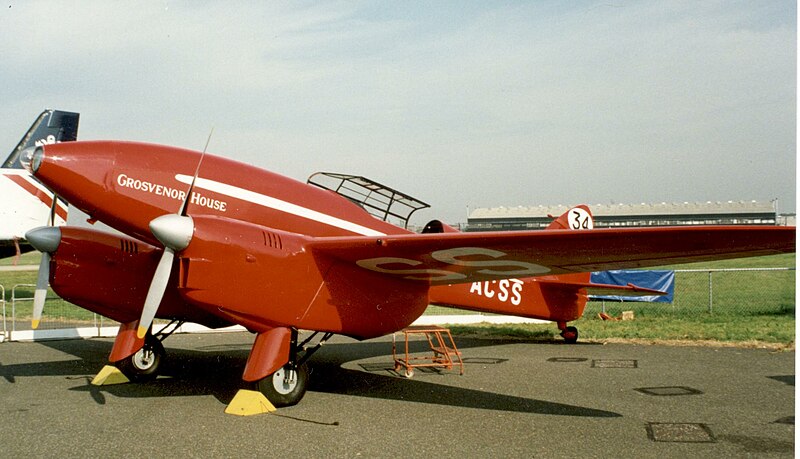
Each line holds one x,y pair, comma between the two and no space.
450,258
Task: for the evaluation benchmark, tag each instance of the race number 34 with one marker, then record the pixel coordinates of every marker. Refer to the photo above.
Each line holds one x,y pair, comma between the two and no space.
580,219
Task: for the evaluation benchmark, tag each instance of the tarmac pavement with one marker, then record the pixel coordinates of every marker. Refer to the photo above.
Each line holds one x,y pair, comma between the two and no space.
516,398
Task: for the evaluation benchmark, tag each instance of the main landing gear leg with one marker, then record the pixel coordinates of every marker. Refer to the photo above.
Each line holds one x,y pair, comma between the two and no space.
570,334
277,368
144,364
287,385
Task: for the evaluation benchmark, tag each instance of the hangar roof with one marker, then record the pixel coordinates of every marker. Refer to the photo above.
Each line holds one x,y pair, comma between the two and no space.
617,210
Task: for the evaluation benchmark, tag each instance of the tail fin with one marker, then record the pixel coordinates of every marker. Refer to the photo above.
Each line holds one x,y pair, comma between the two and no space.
51,126
577,218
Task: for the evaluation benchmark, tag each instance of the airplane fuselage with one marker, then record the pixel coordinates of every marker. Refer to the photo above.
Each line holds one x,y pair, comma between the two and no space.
268,216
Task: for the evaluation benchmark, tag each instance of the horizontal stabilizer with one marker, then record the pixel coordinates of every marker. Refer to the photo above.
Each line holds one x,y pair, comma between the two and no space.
605,289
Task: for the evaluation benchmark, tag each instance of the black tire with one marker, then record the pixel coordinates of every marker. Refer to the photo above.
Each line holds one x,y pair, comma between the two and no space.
143,365
570,335
278,392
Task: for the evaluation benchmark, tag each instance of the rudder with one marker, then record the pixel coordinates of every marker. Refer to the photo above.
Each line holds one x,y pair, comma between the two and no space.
51,126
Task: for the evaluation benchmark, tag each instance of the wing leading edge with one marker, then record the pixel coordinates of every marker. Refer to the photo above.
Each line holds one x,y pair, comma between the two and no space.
451,258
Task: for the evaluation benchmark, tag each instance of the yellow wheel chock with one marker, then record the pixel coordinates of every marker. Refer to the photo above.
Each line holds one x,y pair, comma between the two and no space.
109,375
248,403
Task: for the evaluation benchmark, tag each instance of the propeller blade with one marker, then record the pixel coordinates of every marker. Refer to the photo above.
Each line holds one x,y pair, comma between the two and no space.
40,294
175,232
156,292
45,239
182,210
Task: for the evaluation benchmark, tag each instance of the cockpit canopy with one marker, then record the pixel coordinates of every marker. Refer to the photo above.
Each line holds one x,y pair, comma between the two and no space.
379,200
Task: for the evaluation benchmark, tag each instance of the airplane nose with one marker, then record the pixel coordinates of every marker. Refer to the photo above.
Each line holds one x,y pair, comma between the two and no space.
45,238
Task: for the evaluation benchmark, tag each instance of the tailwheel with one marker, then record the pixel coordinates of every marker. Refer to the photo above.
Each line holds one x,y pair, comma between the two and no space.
570,335
143,365
285,387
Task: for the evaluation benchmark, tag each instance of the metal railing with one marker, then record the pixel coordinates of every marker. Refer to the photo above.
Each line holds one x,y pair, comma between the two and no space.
776,293
3,302
16,299
58,315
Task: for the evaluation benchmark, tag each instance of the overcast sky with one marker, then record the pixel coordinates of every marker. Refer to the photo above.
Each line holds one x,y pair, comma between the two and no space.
477,104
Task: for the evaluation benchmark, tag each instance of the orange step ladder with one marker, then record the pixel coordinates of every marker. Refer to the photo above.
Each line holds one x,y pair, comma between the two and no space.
443,351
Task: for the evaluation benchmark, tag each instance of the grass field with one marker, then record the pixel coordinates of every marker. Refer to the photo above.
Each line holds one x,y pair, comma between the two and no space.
30,258
747,306
751,330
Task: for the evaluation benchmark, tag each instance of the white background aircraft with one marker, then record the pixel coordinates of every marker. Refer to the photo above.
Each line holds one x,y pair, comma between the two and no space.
26,203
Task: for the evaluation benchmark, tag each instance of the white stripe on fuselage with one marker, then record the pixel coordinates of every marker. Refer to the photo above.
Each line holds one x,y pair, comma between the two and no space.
277,204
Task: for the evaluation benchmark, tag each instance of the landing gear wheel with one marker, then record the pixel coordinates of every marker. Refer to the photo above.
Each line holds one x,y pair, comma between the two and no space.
570,335
409,373
286,386
143,364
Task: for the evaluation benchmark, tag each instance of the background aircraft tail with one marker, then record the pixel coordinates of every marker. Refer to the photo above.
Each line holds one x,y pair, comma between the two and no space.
50,127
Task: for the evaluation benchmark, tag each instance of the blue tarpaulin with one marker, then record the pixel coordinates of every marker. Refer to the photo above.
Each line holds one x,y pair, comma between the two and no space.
656,280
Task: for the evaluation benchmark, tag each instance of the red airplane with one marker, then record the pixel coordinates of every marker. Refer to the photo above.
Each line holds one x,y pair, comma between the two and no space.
217,242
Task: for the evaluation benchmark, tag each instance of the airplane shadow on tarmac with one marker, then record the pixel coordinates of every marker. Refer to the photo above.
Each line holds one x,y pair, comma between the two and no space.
90,354
216,370
330,376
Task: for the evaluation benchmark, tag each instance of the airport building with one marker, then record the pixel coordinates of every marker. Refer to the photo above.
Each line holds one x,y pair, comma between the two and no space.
632,215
